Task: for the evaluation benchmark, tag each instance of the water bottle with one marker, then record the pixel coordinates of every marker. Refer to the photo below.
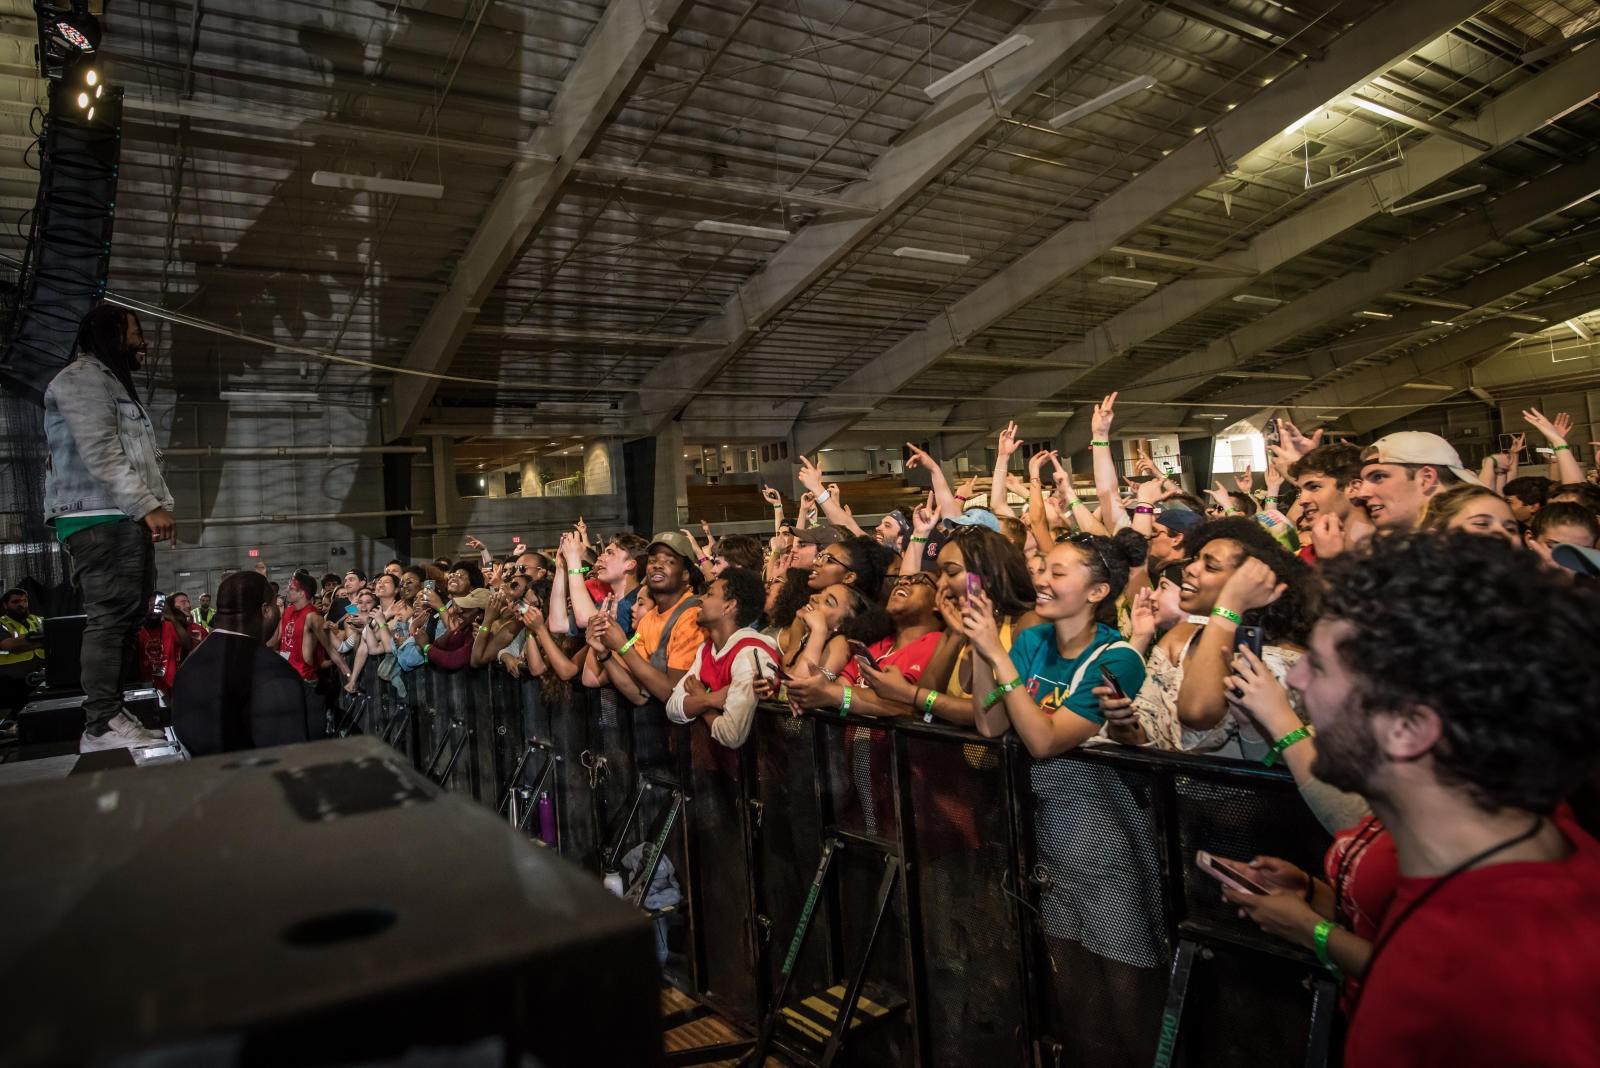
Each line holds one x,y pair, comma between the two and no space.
547,818
613,881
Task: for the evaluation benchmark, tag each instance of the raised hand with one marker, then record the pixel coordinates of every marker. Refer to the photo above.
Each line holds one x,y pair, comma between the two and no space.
1245,480
918,458
1254,690
925,517
1552,430
1327,535
772,496
1144,616
1293,443
977,619
1100,421
810,475
583,530
571,550
1253,585
968,489
474,544
1036,463
1219,494
1009,442
1274,480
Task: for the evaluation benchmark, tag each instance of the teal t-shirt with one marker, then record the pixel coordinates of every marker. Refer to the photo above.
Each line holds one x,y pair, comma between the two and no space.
1049,676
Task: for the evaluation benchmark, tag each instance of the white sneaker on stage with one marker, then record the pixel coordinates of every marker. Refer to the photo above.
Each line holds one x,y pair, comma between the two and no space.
124,733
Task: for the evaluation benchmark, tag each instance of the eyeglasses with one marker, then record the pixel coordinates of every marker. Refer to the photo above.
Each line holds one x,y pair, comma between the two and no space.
914,579
828,558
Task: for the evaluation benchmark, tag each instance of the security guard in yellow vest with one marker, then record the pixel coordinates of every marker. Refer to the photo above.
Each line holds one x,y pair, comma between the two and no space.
21,649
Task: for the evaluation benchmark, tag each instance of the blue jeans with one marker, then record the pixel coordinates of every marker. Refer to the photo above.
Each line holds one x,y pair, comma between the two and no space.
114,566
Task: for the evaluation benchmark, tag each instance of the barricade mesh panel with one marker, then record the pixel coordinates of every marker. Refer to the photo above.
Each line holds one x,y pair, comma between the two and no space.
789,843
960,847
1105,925
573,725
1240,819
721,875
859,763
613,742
1245,1009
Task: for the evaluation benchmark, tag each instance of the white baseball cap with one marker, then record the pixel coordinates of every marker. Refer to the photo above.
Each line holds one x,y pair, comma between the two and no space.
1417,447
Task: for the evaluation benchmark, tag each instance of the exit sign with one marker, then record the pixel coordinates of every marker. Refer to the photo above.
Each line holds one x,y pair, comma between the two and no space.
255,552
516,539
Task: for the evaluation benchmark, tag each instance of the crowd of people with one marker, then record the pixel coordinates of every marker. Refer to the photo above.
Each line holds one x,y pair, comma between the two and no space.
1410,639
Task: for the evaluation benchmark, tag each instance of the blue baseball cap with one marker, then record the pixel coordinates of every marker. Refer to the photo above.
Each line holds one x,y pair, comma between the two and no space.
977,517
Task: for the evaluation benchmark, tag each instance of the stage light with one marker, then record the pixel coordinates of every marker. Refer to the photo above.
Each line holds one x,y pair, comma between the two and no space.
74,32
83,100
90,116
90,76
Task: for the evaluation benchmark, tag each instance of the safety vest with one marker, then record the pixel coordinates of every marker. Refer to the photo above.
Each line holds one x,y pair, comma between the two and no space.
34,627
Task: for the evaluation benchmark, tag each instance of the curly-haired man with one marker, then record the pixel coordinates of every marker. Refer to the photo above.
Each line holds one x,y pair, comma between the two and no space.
1451,681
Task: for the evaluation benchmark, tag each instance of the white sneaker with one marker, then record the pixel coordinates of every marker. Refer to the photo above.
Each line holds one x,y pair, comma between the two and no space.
124,733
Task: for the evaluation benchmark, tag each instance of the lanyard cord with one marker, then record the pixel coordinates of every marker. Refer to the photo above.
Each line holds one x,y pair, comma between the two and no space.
1353,852
1422,898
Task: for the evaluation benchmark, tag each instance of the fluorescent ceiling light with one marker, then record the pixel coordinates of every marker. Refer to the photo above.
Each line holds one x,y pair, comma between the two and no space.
911,252
1010,46
1105,99
1442,198
1374,315
1561,46
1212,415
1436,386
765,233
1296,124
1360,172
1525,336
1251,298
1526,318
1432,302
1055,413
1125,281
362,183
1582,331
1274,376
1440,322
267,395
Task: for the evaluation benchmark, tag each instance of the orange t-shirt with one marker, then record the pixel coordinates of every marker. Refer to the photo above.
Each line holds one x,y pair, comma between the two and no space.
686,635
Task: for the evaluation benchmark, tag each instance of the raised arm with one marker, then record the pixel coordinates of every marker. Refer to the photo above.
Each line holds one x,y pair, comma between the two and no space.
1555,431
1008,444
1105,466
923,519
775,499
1043,735
1202,696
810,476
948,505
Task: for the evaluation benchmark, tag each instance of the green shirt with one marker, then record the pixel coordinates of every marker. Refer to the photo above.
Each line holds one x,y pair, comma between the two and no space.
68,525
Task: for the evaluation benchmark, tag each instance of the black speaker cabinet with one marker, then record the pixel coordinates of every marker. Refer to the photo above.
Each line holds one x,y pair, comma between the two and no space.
310,904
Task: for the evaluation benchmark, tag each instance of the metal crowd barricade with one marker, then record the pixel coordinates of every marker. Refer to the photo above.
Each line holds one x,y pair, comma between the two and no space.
959,903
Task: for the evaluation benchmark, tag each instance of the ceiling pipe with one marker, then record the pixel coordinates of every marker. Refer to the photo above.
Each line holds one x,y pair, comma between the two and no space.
272,451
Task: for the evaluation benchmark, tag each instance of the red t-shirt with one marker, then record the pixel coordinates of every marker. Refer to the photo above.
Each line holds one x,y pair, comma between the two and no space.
909,659
159,654
1497,968
1363,868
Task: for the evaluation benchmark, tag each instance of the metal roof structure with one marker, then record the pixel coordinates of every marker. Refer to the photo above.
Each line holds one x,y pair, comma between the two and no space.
700,210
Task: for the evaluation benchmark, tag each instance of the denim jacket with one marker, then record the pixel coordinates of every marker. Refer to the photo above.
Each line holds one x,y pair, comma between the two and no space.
103,452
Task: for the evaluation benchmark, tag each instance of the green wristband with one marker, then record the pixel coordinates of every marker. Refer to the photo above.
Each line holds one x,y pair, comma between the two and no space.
1558,448
1319,942
1075,502
1107,444
1229,614
919,539
574,570
927,705
627,645
844,701
999,692
1269,500
1297,735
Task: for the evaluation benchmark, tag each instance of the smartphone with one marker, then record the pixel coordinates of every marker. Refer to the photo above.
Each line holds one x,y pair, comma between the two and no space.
1111,681
1250,638
859,650
1270,435
974,583
351,610
778,672
1227,873
430,585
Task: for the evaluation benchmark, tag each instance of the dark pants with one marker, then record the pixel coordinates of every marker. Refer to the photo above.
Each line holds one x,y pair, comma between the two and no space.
114,566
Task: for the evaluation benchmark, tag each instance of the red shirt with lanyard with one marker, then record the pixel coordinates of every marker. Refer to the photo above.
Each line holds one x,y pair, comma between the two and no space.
1491,966
290,642
1363,868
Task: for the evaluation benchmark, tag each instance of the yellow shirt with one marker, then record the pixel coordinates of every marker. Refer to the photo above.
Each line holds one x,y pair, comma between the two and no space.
686,635
955,689
33,628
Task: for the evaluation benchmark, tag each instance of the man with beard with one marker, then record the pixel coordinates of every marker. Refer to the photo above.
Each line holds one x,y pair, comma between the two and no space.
21,649
1324,476
1465,716
109,505
205,614
302,639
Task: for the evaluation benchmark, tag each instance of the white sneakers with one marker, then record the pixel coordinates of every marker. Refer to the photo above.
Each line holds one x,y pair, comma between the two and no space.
124,733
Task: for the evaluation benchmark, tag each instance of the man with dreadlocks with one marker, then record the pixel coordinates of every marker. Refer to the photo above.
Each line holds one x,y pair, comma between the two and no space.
108,503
